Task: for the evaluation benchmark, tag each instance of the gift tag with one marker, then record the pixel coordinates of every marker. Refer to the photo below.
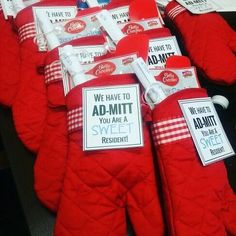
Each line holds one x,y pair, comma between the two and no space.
120,14
206,130
55,14
174,80
86,54
160,49
199,6
112,117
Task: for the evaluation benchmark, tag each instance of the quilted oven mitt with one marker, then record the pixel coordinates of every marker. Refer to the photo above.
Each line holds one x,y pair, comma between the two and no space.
99,186
9,61
51,160
50,163
209,42
198,199
29,108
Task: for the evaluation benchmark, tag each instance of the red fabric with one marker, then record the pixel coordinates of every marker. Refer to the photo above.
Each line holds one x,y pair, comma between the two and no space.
100,185
9,62
209,42
198,199
50,164
29,108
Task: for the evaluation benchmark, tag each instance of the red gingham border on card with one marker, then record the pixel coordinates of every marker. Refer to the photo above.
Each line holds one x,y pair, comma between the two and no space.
169,131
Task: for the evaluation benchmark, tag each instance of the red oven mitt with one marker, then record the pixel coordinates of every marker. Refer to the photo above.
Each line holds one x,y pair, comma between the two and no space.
29,108
209,42
198,199
9,61
51,160
101,185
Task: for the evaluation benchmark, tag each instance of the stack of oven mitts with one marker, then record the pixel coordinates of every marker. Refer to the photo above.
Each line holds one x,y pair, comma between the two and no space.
48,70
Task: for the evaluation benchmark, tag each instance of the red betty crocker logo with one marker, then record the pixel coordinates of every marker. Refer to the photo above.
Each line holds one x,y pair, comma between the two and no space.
152,23
132,28
168,77
75,26
102,69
